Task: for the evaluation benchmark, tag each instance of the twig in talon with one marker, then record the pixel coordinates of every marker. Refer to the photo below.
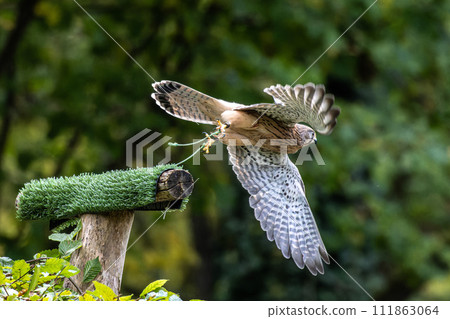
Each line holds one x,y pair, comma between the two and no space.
208,143
188,144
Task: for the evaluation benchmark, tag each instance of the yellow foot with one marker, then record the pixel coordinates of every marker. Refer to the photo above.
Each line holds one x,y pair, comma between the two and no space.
218,134
221,127
208,143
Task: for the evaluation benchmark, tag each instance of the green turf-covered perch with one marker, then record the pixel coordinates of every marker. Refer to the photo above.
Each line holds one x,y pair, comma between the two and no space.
106,203
65,197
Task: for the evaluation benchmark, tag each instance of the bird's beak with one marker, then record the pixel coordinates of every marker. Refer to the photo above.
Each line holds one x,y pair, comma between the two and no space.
315,140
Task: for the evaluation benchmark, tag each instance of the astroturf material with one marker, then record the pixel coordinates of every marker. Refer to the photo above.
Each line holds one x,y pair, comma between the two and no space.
65,197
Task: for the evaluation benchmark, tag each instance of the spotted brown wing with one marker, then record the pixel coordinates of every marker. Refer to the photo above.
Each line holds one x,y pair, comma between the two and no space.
188,104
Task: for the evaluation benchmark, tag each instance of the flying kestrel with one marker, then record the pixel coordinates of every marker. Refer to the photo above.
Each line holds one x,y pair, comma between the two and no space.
259,137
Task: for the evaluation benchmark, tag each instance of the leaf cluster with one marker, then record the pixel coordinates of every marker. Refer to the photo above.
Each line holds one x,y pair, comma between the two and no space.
41,279
153,292
38,279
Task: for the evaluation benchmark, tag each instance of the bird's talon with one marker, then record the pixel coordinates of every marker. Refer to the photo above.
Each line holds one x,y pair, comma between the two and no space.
208,144
221,128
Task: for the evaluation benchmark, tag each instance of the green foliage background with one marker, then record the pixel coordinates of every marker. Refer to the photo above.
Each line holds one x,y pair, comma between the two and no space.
70,97
41,279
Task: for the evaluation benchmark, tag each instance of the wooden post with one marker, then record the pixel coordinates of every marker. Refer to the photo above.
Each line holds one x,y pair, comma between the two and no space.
106,235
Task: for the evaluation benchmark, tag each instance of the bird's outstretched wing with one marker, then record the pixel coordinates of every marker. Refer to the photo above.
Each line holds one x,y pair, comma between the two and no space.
277,195
188,104
303,103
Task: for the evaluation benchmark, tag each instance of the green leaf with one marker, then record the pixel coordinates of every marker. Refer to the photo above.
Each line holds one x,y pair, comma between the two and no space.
2,278
70,271
103,292
44,279
91,270
87,297
59,237
65,293
50,253
152,286
20,268
125,298
77,229
67,247
34,279
53,265
6,262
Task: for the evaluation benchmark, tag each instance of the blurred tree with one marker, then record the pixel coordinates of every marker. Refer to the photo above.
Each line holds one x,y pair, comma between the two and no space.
70,97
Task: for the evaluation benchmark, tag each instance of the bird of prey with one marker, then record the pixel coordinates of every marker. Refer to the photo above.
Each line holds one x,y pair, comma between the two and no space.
259,139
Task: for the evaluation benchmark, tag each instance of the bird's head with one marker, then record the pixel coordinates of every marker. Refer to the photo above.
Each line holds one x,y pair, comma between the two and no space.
305,135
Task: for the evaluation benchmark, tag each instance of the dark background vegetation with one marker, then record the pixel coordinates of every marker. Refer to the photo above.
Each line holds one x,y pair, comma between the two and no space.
70,98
